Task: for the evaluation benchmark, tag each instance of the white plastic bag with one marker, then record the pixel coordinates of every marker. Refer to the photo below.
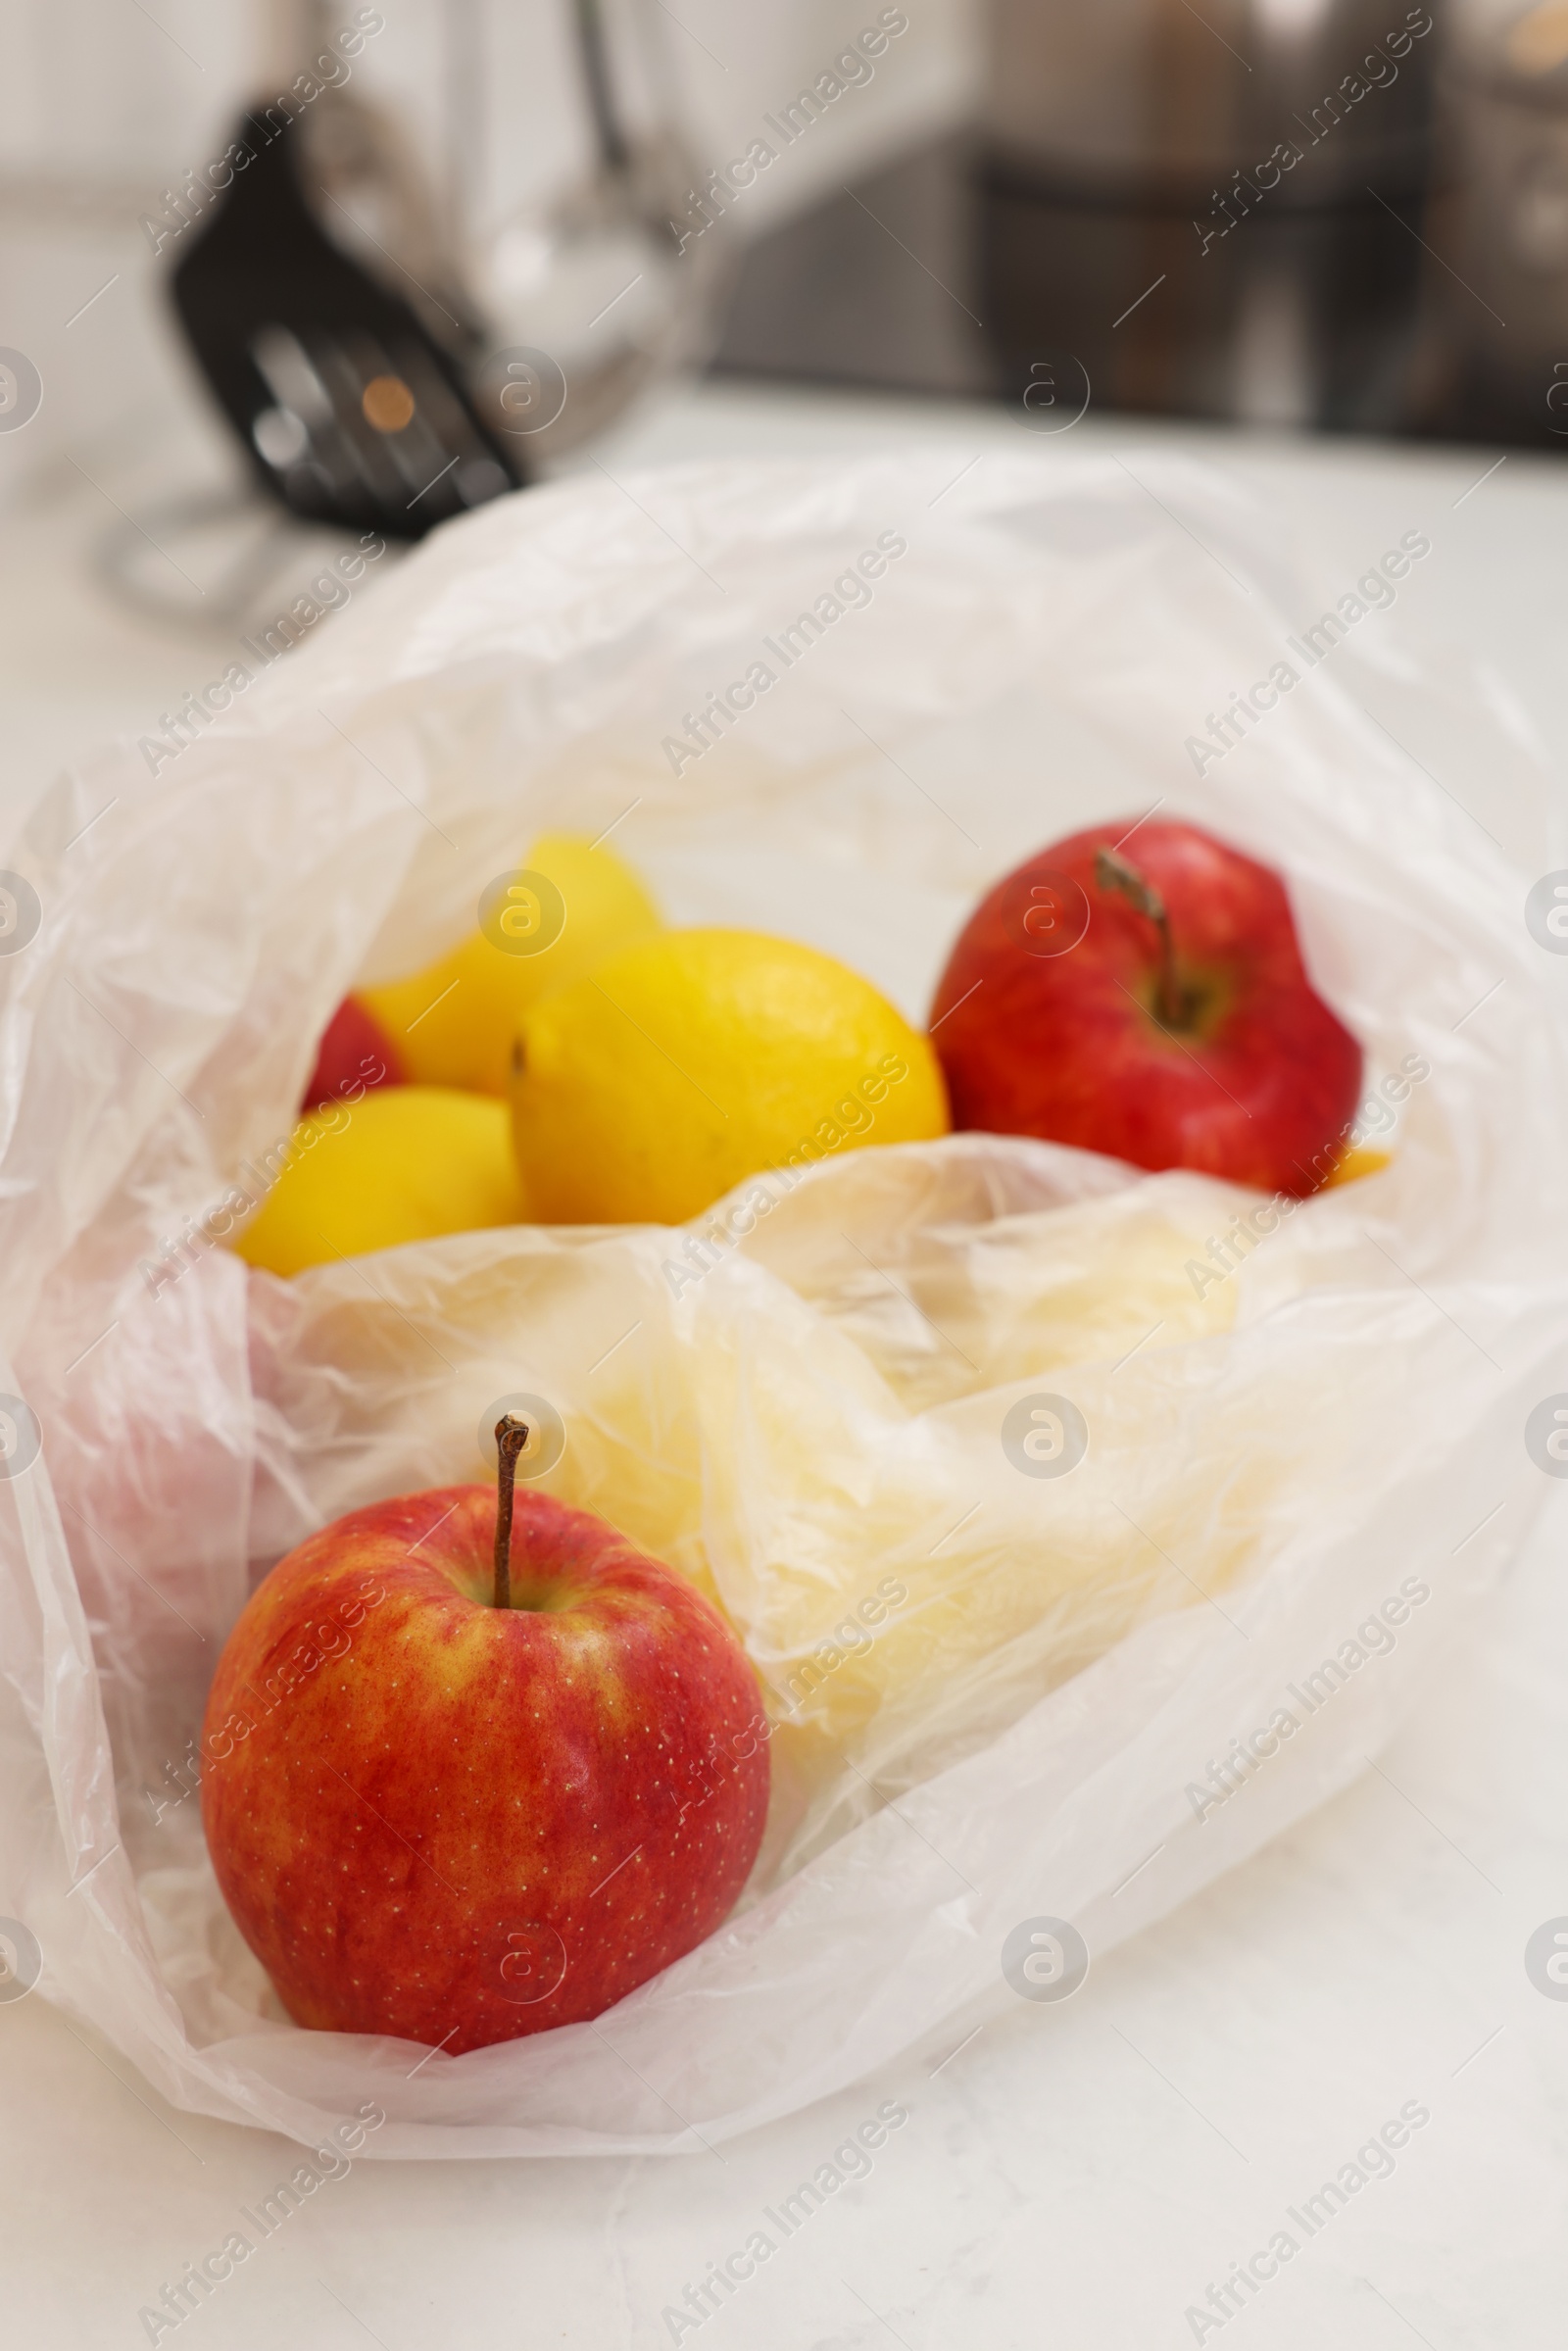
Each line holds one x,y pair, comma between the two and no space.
1040,1726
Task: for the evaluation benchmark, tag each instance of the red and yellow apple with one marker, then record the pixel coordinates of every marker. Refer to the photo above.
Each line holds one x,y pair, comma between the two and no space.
1139,989
455,1821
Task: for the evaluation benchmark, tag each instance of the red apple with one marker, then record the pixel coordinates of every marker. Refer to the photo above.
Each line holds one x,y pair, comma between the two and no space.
1149,1002
467,1775
355,1055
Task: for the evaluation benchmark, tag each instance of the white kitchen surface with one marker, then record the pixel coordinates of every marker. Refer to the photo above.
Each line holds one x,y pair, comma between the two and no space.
1077,2174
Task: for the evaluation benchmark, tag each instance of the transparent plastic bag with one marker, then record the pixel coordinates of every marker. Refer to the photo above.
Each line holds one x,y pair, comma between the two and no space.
995,1696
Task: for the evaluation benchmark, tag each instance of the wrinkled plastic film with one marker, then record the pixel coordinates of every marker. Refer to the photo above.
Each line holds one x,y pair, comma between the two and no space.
991,1690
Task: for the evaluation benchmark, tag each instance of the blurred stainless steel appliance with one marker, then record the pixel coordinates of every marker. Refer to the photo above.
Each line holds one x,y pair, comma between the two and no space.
389,356
1208,206
1497,317
582,272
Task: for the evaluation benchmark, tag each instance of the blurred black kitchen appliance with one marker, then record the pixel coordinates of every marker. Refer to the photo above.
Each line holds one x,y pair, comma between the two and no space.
351,411
390,352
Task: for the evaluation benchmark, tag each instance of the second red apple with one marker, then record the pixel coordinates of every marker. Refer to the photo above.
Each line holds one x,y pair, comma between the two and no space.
1139,989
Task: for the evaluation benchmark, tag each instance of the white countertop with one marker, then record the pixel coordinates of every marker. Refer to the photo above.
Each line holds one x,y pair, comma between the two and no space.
1076,2174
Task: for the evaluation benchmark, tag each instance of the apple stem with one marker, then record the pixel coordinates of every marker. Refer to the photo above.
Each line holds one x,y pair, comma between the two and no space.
510,1437
1113,871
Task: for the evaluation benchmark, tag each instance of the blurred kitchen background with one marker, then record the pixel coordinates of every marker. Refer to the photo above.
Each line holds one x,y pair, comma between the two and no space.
1338,214
271,269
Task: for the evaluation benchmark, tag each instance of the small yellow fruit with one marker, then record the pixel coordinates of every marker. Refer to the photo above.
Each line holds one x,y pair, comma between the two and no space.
1361,1160
682,1064
452,1024
405,1164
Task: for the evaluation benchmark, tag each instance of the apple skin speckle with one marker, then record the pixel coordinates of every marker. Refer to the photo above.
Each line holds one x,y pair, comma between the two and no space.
427,1813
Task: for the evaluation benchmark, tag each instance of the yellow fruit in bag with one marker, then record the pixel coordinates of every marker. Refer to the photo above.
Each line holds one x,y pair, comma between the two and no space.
679,1066
932,1435
403,1163
566,906
966,1459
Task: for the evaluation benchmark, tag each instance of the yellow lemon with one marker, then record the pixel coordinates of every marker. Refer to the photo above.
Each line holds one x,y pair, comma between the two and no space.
541,927
682,1064
405,1164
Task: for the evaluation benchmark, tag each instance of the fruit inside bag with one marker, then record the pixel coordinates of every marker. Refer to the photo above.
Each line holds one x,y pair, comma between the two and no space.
1030,1530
